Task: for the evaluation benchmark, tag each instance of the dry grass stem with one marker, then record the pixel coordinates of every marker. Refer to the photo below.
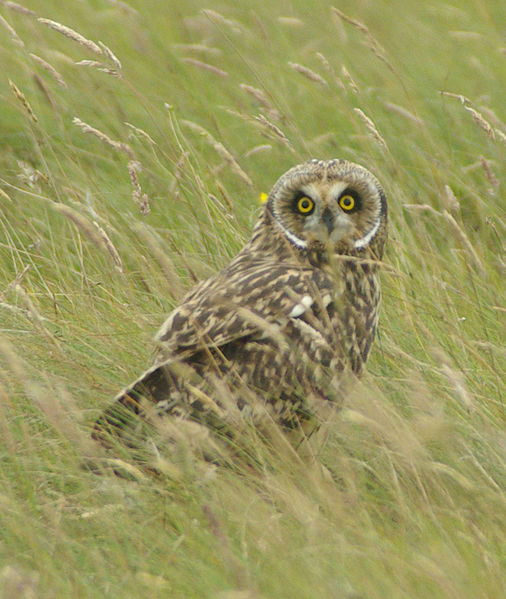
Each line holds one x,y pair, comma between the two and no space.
373,44
216,17
489,172
21,97
110,247
178,171
328,67
124,7
462,99
257,149
371,127
262,99
402,112
308,73
271,127
97,237
141,132
72,35
450,202
198,48
111,56
220,150
140,198
291,21
500,135
481,122
460,233
15,7
117,145
100,66
50,69
349,80
3,194
15,37
148,238
206,66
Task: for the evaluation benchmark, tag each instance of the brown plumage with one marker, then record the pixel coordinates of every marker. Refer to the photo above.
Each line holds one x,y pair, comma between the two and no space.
277,329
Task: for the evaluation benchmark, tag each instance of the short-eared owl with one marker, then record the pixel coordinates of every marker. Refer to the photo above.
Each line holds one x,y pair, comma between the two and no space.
278,329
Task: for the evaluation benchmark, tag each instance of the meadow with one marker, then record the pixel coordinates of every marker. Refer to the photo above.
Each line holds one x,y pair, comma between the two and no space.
136,138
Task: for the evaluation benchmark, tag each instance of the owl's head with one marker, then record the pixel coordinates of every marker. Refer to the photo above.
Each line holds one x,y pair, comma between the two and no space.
330,204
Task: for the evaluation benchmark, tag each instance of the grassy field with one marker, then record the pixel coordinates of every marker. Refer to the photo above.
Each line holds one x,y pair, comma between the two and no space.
133,167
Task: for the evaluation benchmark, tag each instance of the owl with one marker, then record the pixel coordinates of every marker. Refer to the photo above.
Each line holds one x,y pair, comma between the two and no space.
277,332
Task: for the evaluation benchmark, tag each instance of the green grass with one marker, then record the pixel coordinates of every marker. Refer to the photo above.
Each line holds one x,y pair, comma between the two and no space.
406,497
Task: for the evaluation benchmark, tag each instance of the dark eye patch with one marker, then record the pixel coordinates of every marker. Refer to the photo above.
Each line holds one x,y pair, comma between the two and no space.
350,201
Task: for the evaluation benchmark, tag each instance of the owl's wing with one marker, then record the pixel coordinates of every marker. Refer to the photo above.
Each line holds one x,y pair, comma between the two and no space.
255,302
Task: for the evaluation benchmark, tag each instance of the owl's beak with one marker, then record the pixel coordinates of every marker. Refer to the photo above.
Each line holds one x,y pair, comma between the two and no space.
330,228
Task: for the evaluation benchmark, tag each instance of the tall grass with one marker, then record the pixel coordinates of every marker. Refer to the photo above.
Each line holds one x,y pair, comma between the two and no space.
136,140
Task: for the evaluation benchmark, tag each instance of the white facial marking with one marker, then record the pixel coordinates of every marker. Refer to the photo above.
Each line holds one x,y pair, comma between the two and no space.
300,243
363,241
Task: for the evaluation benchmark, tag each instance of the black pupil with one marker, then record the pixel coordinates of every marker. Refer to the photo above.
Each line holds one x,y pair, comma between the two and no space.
305,204
347,201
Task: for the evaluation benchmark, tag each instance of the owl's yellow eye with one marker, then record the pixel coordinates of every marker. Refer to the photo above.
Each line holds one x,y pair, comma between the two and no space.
347,202
305,205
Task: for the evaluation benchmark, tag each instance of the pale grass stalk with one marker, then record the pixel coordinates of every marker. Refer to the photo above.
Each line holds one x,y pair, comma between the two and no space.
206,66
328,67
462,99
481,122
216,17
124,7
220,150
402,112
489,172
111,56
198,48
72,35
91,230
449,200
178,170
500,135
15,37
225,196
100,66
34,315
275,130
166,264
373,44
117,145
493,118
371,127
140,198
455,378
4,195
308,73
19,277
257,149
15,7
50,69
262,99
142,133
461,235
349,80
465,35
110,247
291,21
21,97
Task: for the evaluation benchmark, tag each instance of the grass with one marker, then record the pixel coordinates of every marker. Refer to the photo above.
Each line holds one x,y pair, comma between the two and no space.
406,497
